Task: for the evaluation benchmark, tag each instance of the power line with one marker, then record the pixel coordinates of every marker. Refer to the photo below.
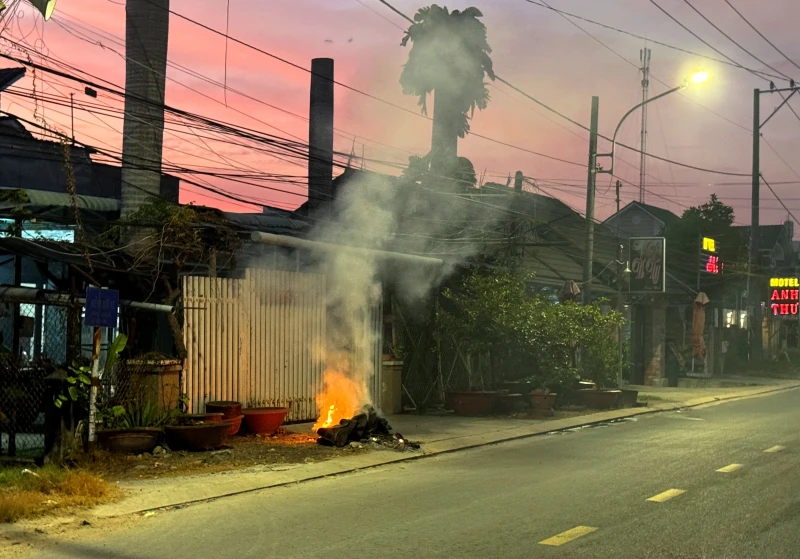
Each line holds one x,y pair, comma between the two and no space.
711,23
709,45
518,90
655,42
576,123
634,65
753,27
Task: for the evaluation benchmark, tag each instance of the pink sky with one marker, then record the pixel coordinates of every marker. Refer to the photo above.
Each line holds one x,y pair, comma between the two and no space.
534,48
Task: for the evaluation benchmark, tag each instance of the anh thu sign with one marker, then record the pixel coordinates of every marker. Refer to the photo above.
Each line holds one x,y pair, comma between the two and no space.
784,300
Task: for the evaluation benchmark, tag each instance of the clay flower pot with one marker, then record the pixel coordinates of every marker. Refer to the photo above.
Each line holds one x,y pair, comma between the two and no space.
228,409
236,424
134,441
207,436
195,418
601,399
542,402
264,421
473,403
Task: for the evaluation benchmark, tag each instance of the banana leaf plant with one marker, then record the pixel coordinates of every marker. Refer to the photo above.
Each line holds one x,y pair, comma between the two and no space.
79,377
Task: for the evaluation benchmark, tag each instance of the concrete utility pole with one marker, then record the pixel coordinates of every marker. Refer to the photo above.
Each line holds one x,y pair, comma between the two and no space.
586,291
644,57
756,341
755,325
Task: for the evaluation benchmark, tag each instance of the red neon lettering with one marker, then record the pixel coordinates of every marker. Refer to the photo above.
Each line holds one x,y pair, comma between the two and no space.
774,308
793,308
712,266
784,308
794,294
775,296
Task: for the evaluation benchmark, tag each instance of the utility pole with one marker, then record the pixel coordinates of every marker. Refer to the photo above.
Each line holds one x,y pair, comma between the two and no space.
756,326
72,115
619,292
590,191
644,58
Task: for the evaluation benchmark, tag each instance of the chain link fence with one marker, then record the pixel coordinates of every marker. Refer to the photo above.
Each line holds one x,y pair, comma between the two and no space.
42,349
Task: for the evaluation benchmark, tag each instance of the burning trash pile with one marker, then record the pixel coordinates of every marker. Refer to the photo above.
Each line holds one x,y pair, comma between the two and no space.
346,418
367,428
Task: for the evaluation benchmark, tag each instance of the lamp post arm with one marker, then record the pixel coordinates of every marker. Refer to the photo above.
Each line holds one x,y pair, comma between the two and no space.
626,115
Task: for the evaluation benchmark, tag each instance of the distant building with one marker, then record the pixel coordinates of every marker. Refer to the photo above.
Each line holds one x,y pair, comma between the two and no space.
641,220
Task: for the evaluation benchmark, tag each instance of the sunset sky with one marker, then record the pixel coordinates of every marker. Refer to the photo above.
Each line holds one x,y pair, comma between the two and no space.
536,49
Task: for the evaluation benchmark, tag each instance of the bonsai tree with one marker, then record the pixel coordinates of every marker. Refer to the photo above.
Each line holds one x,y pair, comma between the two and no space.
449,57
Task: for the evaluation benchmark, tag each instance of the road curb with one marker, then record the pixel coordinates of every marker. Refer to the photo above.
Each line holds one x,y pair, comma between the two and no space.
582,421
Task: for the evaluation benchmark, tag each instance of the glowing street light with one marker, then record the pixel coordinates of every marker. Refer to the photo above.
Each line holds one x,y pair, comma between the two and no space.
699,77
696,78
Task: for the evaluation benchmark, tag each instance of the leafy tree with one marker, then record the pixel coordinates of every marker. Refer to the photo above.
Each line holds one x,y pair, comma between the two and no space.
712,219
529,335
449,57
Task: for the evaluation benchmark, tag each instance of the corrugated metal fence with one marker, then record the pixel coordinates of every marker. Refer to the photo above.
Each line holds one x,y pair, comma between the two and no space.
260,340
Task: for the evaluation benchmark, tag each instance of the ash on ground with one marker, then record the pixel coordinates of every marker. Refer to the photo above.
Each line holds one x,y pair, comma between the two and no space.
366,429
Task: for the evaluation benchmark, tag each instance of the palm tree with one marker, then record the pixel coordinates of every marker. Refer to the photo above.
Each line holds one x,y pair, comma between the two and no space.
449,57
146,40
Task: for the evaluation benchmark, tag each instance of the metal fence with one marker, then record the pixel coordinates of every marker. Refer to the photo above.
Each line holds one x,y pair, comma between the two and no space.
23,377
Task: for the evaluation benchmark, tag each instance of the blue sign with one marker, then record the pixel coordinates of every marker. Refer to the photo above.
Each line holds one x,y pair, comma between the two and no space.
101,307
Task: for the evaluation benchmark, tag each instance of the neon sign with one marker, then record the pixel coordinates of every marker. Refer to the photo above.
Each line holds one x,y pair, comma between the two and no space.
785,301
709,256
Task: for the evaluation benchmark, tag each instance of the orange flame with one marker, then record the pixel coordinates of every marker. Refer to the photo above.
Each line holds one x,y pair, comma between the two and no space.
341,399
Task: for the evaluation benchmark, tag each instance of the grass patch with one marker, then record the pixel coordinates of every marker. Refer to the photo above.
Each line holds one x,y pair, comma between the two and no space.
651,398
26,493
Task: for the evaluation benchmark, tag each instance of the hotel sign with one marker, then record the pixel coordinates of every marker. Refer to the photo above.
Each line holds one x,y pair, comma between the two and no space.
784,297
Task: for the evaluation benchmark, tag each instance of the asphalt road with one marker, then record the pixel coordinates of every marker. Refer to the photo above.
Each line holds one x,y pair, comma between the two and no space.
505,500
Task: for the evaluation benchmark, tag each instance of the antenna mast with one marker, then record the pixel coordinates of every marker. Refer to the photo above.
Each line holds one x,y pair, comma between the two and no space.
644,58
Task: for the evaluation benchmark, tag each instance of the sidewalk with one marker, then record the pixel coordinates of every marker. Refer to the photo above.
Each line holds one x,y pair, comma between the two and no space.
437,434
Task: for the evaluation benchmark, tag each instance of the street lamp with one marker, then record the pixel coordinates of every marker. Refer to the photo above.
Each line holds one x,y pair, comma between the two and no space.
45,7
696,78
593,170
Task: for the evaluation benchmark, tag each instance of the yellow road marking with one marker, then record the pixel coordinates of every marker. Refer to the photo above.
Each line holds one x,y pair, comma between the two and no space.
730,468
666,495
776,448
568,536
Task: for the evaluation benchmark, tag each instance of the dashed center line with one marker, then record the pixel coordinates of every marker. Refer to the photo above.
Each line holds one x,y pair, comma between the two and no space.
666,495
730,468
568,536
776,448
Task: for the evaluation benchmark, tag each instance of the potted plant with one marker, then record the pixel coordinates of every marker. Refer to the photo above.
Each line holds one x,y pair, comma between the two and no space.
135,427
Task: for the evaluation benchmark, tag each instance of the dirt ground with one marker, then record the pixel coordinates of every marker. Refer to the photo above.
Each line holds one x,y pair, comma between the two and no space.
239,452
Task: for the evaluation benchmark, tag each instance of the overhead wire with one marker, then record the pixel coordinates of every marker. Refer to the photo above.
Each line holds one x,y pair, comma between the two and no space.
545,106
732,40
649,39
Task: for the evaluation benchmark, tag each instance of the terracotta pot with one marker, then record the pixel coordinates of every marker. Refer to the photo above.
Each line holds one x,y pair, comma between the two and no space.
189,418
197,437
473,403
518,386
236,424
228,409
264,421
506,404
628,398
134,441
601,399
542,403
